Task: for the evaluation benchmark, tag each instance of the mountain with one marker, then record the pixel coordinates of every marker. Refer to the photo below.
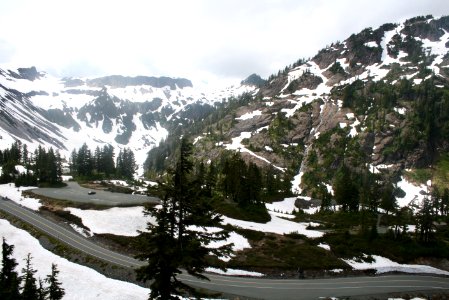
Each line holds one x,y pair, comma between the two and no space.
376,102
136,112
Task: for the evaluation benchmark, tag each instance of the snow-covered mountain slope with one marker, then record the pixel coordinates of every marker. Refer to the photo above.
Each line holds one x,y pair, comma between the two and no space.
362,101
135,112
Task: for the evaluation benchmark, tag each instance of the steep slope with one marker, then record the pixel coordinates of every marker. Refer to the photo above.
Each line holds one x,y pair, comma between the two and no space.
136,112
376,102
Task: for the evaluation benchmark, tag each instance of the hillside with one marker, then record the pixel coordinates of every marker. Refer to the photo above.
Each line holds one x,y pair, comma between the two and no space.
135,112
376,102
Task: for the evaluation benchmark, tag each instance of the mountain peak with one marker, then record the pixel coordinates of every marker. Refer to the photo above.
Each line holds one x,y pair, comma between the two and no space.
253,80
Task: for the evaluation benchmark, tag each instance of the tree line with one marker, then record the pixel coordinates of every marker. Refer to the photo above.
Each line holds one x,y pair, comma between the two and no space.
25,286
101,163
41,167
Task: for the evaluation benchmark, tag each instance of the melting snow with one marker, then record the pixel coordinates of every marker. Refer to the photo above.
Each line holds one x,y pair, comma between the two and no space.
276,225
78,281
15,194
124,221
286,206
413,192
384,265
250,115
234,272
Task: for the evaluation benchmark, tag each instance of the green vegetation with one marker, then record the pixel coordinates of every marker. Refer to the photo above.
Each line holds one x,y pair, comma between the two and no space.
285,253
13,286
99,165
43,168
174,242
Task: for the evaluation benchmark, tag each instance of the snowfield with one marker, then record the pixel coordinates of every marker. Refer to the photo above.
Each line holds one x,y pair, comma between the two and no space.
384,265
15,194
275,225
78,281
126,221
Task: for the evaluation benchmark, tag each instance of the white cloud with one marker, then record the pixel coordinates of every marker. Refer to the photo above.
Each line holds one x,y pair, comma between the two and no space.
193,39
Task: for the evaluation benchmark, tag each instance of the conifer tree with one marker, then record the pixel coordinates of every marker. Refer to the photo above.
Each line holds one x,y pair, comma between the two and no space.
179,238
41,291
9,279
30,290
55,291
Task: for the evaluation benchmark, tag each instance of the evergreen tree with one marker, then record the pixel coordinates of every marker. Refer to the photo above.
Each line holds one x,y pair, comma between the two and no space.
9,279
126,164
180,238
84,161
388,200
345,190
424,219
42,292
55,291
30,290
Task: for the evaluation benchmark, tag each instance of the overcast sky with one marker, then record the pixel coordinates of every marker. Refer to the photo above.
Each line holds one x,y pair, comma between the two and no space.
196,39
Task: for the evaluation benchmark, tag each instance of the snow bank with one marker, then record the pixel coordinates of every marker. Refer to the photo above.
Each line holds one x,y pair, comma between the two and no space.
384,265
124,221
234,272
250,115
78,281
15,194
286,206
412,192
276,225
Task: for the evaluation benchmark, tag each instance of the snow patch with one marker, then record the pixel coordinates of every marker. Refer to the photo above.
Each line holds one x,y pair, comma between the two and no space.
384,265
412,192
275,225
9,191
250,115
79,282
234,272
126,221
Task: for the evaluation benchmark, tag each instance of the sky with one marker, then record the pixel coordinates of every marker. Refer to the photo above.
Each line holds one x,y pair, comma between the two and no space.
202,40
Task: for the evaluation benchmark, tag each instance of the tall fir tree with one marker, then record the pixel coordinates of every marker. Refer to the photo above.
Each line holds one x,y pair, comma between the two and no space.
30,289
54,290
9,278
180,237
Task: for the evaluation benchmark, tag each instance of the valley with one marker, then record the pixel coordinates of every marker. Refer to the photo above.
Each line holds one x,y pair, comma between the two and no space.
330,177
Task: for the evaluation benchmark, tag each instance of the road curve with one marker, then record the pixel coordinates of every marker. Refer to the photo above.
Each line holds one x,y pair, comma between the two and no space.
258,288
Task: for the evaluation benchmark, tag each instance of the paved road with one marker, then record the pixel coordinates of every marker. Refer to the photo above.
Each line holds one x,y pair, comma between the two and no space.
249,287
74,192
67,236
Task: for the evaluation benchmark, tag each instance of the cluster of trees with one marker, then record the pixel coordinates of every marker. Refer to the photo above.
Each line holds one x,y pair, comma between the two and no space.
433,208
40,167
179,238
100,163
246,184
14,286
363,190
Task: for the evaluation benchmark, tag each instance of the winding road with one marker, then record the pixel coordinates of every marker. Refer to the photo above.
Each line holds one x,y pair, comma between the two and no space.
258,288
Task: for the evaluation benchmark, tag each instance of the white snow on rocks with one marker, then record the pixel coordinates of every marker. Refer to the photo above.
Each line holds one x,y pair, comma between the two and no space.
413,192
250,115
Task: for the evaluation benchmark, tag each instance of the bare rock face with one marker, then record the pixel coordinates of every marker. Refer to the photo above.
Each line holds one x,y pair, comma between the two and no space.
274,87
307,80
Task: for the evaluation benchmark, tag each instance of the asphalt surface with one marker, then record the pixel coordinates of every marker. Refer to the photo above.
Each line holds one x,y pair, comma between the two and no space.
76,193
257,288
